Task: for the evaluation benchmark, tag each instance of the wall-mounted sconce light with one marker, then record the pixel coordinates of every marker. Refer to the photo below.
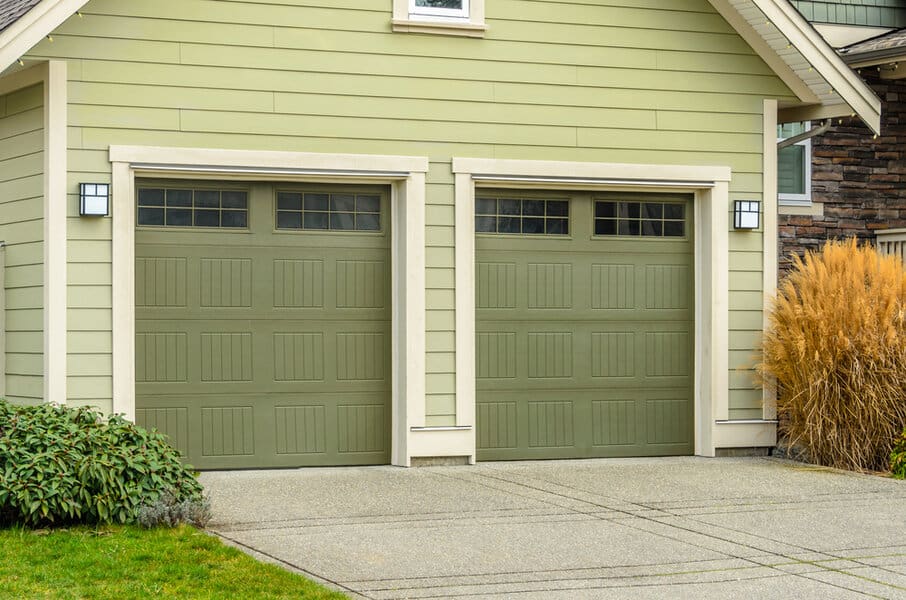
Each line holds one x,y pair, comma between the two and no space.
746,214
94,199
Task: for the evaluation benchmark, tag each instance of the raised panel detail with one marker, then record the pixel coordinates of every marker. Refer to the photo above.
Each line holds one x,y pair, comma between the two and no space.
667,287
298,356
226,356
496,285
160,357
612,354
496,355
227,431
667,354
226,282
172,422
613,423
550,286
360,356
496,424
550,424
160,282
668,421
612,286
550,355
360,428
298,283
300,429
360,284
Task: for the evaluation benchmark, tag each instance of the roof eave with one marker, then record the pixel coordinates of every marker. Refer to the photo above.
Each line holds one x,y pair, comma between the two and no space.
20,37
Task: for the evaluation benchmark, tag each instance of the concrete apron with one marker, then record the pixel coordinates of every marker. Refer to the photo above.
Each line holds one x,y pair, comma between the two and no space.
614,528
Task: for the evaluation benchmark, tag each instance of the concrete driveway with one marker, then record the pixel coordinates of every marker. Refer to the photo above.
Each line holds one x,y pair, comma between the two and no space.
625,528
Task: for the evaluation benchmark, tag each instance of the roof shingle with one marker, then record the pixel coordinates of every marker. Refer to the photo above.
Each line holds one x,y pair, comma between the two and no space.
12,10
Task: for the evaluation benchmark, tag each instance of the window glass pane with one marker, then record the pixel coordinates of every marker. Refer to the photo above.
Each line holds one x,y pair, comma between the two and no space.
342,202
150,197
557,226
289,220
557,208
150,216
485,206
631,210
179,217
532,225
509,225
605,227
315,221
206,199
316,201
533,207
454,4
629,227
287,201
605,209
674,211
653,210
486,224
674,229
234,199
652,228
791,170
368,222
342,221
179,198
207,218
368,204
234,218
510,207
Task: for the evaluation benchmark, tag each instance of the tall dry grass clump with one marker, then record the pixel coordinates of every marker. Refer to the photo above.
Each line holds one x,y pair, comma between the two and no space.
836,349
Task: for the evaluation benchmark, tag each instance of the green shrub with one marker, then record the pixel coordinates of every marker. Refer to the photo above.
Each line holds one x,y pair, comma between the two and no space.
836,349
63,465
898,457
170,512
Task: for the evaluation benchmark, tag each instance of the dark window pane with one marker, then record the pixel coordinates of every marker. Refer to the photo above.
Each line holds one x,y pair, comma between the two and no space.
533,208
316,201
674,228
207,218
509,225
342,202
486,224
368,222
652,228
674,211
234,199
289,220
150,216
207,199
342,221
509,207
182,198
557,208
455,4
629,227
631,210
558,226
532,225
605,209
179,217
652,210
485,206
148,197
234,218
287,201
368,204
315,221
605,227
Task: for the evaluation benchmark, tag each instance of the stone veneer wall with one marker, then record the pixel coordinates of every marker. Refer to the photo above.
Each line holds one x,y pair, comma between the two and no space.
860,180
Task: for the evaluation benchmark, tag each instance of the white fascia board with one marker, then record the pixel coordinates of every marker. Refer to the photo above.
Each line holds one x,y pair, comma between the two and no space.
23,35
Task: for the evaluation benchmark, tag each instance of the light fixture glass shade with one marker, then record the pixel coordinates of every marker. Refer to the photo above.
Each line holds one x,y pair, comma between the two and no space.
94,199
747,214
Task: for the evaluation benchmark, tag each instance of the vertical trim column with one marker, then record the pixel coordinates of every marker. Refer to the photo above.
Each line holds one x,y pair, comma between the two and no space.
2,319
769,396
55,280
123,311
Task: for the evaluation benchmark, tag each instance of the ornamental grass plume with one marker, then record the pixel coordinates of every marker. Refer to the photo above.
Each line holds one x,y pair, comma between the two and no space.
835,348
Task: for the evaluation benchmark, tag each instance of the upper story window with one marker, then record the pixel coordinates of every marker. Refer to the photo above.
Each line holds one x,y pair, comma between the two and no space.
794,166
443,17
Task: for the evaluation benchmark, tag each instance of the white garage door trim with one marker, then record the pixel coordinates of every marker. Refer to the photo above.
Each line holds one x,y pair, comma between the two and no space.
404,174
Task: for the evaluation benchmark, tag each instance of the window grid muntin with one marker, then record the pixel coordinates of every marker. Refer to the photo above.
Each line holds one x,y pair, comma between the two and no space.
192,207
551,214
328,211
629,218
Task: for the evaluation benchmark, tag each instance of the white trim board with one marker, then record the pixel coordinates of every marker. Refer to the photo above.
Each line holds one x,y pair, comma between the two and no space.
406,177
712,205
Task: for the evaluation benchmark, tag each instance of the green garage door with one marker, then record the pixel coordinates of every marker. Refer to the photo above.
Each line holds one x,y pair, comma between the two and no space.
584,336
263,322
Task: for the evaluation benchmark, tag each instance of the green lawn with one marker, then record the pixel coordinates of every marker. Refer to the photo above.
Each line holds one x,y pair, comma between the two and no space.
128,562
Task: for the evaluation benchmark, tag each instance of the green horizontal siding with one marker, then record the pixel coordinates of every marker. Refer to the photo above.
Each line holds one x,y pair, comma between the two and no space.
578,80
22,228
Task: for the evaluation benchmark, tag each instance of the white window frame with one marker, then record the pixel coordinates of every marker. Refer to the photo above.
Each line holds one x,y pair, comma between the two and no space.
427,12
804,199
465,22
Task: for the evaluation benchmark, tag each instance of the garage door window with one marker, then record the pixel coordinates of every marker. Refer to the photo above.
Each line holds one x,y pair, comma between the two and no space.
525,216
328,212
188,207
644,219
